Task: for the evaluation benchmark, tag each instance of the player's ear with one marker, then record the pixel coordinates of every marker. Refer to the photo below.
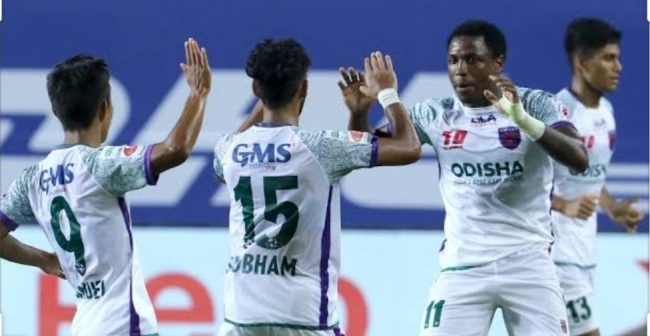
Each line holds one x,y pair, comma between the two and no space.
499,63
579,61
256,89
304,87
103,111
302,94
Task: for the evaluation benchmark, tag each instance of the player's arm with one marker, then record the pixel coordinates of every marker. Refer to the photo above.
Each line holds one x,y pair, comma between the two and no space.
582,207
254,117
14,209
544,125
176,148
563,144
11,249
621,212
402,146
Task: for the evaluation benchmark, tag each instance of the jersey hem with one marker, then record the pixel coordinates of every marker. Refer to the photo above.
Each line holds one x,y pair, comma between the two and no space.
8,222
570,264
280,325
458,268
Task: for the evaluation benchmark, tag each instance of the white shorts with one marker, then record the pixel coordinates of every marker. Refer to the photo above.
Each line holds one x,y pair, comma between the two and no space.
524,285
578,289
228,329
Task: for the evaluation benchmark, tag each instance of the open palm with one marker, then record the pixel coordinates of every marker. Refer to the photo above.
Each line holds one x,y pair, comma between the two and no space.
354,99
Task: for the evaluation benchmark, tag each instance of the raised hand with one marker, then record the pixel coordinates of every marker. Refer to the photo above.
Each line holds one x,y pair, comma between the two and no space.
196,68
350,86
379,75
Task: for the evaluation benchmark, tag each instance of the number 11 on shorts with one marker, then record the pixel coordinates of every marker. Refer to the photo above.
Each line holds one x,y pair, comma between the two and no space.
436,307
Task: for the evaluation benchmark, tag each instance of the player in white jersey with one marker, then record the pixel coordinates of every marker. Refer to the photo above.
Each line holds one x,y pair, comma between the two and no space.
285,225
593,49
495,158
77,194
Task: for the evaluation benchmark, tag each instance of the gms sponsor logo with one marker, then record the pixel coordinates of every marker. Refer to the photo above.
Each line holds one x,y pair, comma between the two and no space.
487,173
55,176
484,121
261,156
594,171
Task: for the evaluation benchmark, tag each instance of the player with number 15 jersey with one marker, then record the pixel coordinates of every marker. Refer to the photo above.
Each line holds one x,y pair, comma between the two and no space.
284,201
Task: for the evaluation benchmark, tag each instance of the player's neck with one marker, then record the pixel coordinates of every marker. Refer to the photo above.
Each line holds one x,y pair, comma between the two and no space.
87,137
587,95
281,116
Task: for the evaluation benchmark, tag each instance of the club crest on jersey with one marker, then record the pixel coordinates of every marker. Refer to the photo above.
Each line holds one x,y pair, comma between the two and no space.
483,121
129,150
564,111
563,326
356,136
510,137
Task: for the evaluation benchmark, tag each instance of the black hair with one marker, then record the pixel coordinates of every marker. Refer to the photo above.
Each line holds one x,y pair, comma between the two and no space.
279,67
77,88
585,36
492,35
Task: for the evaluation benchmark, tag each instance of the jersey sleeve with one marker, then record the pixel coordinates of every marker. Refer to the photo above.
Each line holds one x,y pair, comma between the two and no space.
421,114
120,169
14,205
341,152
219,151
546,108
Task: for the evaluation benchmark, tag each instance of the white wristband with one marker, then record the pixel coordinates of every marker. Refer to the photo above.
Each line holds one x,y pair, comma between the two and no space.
532,127
387,97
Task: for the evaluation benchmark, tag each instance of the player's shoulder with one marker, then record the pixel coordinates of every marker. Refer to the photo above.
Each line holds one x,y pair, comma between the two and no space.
540,102
607,105
29,174
224,140
534,96
568,99
432,106
325,137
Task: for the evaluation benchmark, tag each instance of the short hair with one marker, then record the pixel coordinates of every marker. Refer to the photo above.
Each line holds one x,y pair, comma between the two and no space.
279,67
492,35
77,88
585,36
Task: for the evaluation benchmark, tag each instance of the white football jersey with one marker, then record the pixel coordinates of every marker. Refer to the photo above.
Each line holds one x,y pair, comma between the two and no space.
576,238
285,223
77,196
495,182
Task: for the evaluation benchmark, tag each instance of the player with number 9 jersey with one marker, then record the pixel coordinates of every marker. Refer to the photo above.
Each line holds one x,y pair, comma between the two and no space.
77,194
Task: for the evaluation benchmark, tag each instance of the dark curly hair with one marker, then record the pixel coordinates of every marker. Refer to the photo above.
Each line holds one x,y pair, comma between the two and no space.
492,35
279,67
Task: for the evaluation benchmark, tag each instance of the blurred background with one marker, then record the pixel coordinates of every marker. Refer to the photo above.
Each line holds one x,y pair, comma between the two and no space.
392,217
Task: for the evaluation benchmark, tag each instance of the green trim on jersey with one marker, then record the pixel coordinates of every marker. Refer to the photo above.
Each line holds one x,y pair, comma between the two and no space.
569,264
156,334
458,268
279,325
